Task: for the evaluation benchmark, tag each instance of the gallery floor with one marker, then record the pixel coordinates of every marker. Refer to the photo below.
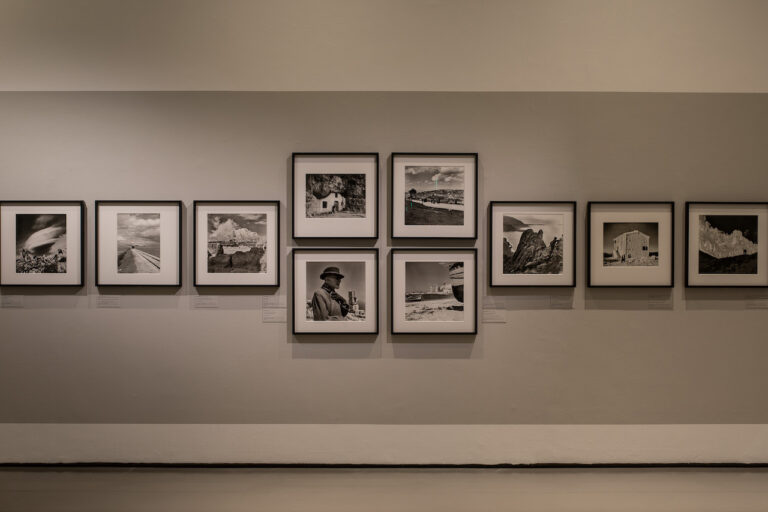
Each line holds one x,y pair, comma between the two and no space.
391,490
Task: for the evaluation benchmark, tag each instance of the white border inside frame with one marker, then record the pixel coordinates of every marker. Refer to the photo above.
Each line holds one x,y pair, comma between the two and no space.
205,278
169,244
8,244
499,278
362,227
658,275
401,325
696,279
400,229
304,326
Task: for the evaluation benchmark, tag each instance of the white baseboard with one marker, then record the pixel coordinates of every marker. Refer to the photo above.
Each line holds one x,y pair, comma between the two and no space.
382,444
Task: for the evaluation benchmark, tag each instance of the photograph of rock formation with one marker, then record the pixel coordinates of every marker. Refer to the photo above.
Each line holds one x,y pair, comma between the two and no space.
335,195
533,244
728,244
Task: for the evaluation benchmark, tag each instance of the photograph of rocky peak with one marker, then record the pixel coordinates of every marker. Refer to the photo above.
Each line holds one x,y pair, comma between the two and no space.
533,244
728,244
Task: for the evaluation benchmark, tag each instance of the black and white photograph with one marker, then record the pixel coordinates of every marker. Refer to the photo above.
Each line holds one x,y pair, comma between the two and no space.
335,195
335,291
630,244
434,291
726,244
434,195
41,243
627,244
532,243
138,243
236,243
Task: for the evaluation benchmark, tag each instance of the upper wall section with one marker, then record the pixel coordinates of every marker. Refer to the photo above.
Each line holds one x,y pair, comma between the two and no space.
392,45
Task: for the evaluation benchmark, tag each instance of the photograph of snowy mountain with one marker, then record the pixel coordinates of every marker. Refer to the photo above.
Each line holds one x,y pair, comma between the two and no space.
237,243
728,244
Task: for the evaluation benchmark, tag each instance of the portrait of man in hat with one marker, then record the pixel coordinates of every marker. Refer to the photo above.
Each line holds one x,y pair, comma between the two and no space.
327,304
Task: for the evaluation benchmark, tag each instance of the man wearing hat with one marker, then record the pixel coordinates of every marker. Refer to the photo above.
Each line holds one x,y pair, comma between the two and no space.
326,303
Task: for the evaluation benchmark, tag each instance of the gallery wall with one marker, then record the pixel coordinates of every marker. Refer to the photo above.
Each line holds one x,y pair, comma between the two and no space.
384,45
563,357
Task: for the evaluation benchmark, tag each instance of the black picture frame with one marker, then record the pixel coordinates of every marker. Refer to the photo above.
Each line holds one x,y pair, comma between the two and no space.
296,250
688,205
671,205
394,155
393,251
200,202
77,202
179,274
491,205
374,208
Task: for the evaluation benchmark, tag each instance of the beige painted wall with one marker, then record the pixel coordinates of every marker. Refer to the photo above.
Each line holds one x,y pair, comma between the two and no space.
608,360
380,45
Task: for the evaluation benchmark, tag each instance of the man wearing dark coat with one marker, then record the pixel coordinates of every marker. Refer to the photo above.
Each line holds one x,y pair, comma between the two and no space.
326,303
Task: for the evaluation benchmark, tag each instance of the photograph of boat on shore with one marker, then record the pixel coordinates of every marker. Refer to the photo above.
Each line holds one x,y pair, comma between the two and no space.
434,291
138,243
434,195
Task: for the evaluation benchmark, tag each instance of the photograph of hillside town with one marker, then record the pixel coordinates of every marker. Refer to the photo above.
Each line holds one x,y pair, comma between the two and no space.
237,243
434,195
335,195
728,244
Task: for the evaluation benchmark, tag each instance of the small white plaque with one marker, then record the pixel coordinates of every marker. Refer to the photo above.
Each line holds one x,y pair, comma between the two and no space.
659,301
274,301
494,310
109,301
757,303
560,302
205,302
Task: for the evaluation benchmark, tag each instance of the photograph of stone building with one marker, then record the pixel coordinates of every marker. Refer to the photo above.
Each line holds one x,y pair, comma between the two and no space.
630,244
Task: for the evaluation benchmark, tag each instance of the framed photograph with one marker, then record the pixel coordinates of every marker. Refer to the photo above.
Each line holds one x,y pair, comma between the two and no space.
725,244
532,243
237,243
138,243
42,243
630,244
434,291
335,291
335,195
434,195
